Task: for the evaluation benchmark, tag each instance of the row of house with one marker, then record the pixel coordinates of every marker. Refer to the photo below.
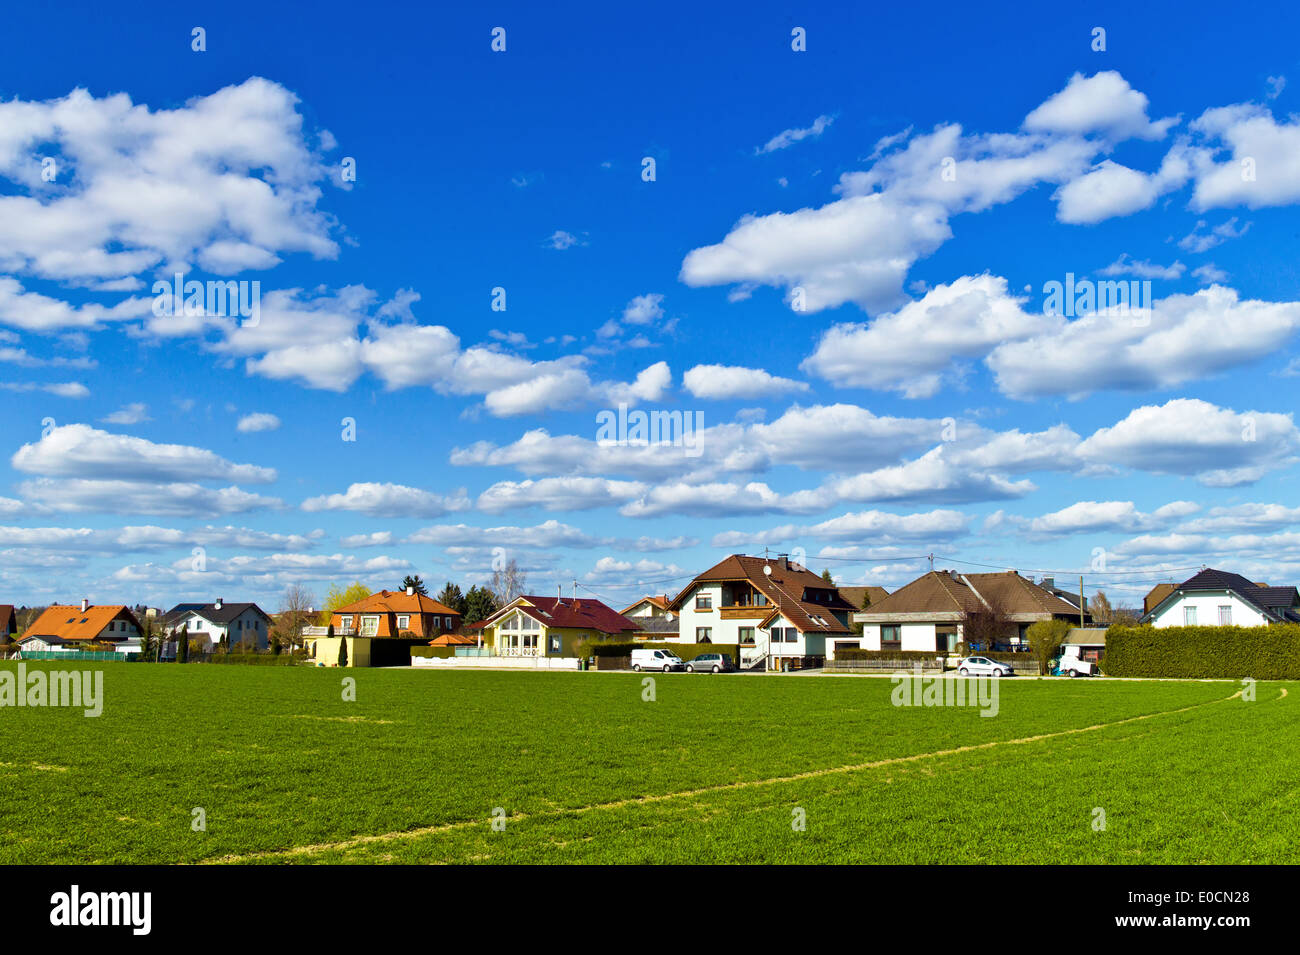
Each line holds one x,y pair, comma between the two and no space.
777,613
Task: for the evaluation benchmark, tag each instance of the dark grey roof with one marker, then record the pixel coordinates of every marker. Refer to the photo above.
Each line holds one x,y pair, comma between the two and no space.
227,613
1271,601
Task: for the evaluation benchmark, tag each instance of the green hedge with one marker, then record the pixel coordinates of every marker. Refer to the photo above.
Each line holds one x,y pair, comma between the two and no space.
427,651
854,653
1264,653
254,659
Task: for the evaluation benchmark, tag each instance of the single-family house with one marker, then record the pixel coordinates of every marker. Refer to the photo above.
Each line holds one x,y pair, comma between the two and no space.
63,627
8,623
649,607
1156,594
777,611
863,597
532,626
931,613
235,623
1220,598
381,629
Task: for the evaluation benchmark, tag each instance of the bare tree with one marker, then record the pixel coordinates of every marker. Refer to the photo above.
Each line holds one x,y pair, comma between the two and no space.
985,625
1101,610
295,613
507,582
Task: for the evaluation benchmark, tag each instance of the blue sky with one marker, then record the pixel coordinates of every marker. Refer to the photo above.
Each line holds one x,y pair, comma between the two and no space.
913,179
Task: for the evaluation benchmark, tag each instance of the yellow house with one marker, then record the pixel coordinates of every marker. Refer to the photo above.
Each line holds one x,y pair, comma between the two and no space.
531,626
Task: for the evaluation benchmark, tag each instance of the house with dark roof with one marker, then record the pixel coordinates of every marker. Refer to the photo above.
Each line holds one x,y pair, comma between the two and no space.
931,613
533,626
235,623
1220,598
779,612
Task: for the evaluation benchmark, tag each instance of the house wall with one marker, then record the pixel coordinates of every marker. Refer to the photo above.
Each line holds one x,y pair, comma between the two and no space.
327,651
1207,605
726,629
913,636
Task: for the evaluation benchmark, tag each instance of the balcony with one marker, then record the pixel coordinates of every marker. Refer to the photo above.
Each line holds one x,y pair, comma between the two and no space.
325,632
745,611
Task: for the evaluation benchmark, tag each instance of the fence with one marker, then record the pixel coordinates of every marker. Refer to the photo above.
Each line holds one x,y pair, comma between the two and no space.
96,656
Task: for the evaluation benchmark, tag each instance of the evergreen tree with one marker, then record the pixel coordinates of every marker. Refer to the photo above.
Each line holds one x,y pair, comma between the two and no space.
343,652
183,645
417,583
480,603
453,598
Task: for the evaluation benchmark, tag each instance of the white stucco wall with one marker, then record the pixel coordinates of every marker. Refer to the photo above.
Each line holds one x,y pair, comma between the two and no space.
1207,604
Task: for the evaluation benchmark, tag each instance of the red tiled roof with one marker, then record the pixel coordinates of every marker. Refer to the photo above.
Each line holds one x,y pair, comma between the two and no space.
583,613
784,587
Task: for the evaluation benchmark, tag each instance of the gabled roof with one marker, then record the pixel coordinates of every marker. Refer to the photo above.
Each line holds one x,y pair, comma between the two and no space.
73,623
1156,595
210,612
857,595
396,601
785,587
948,592
660,601
583,613
1275,603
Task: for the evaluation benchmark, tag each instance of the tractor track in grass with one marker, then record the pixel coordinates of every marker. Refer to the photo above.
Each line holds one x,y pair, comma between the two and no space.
408,834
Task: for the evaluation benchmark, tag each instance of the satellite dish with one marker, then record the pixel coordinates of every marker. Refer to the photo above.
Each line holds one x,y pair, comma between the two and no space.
767,569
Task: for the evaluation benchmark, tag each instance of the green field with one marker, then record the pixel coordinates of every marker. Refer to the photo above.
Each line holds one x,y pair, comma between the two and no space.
586,771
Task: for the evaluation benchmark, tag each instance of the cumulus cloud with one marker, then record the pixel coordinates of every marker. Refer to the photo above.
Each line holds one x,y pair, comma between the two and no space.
389,500
1100,104
733,381
258,421
80,451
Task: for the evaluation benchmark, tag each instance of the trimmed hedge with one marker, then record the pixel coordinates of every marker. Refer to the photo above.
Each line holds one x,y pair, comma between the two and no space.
1264,653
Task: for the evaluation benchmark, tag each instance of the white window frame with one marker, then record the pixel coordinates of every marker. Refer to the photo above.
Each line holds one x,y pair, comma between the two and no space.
1189,615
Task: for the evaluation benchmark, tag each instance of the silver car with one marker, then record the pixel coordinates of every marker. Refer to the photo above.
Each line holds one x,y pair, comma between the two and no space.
710,663
983,666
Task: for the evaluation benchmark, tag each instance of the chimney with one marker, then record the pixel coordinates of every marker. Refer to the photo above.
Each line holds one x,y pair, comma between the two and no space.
410,591
85,604
217,605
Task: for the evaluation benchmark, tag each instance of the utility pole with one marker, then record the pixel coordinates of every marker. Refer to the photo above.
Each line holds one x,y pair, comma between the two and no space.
932,563
1082,603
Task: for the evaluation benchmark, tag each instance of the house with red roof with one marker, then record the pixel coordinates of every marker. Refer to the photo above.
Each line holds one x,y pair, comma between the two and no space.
63,627
533,626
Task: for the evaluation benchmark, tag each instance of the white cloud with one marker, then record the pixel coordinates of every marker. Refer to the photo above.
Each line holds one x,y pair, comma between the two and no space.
258,421
1264,166
1187,436
133,413
1143,269
389,500
732,381
1103,103
175,499
80,451
559,494
879,527
788,137
548,534
1095,516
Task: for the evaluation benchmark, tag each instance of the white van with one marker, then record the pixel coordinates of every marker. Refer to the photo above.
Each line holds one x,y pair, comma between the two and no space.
647,659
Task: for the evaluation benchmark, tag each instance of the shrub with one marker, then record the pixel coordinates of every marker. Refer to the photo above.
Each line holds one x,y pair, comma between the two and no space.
1264,653
1045,638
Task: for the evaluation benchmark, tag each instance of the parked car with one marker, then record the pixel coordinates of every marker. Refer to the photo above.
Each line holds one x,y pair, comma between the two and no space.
710,663
647,659
983,666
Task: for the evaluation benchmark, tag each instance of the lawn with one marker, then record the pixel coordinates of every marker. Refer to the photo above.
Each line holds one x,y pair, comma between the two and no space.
582,769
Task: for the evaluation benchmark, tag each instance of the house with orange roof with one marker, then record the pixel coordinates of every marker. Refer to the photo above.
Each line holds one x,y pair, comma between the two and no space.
649,607
63,627
381,629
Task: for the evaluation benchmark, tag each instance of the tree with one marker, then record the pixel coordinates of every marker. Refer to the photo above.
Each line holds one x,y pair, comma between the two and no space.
183,645
1045,638
985,626
296,610
408,582
507,582
1102,612
480,604
337,597
826,576
343,651
453,598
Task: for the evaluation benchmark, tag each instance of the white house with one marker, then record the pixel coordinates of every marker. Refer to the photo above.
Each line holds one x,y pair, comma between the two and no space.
649,608
778,612
237,622
1218,598
933,612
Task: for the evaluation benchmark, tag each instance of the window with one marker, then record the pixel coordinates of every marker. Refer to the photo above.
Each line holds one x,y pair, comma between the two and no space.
703,601
1225,615
1189,616
945,639
404,622
891,637
746,635
703,634
347,621
369,625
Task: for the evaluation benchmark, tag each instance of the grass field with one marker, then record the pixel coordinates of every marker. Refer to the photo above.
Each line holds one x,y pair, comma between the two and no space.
586,771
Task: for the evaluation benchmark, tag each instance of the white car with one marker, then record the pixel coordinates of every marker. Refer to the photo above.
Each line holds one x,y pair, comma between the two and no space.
647,659
983,666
